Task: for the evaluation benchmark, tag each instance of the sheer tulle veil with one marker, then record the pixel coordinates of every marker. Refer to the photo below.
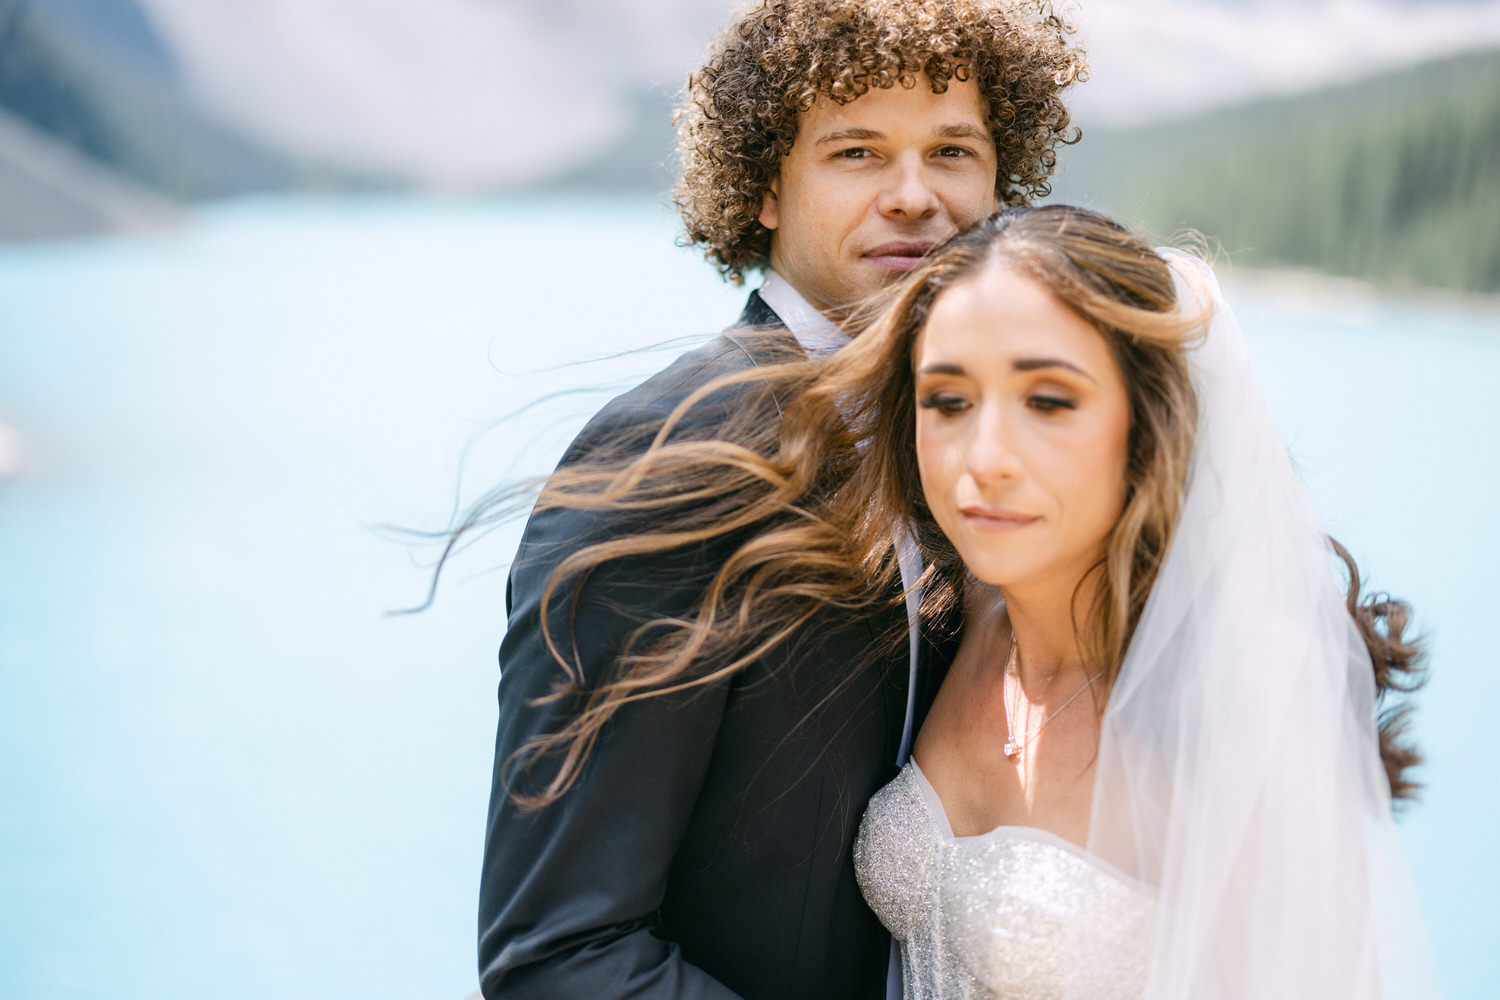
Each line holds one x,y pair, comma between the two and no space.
1238,768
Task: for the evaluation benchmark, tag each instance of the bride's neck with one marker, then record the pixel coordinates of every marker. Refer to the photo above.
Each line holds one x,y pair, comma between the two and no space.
1047,643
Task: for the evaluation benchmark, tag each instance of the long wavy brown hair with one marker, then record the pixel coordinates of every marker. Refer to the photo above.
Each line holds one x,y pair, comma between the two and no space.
740,112
1125,291
810,466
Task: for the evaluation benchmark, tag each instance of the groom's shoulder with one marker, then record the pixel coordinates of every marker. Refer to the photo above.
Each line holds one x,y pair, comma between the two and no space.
628,424
757,338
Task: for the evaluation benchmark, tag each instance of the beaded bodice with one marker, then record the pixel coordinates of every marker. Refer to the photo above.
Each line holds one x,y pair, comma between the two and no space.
1014,914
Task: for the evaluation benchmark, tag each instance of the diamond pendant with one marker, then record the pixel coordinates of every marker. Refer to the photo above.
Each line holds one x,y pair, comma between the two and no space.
1012,748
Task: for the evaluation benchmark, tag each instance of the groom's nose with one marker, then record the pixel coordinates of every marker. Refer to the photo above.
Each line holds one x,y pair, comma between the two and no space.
908,193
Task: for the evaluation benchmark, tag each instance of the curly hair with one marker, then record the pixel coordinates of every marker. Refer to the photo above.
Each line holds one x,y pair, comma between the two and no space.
741,110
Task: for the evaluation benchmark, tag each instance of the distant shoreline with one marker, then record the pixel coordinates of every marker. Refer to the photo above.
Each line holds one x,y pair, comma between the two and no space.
1289,282
1308,284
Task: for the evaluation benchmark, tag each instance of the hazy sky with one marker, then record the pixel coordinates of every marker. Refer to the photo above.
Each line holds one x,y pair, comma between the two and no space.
474,92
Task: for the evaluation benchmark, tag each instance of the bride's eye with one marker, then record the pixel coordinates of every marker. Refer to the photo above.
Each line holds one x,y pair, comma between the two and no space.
1050,403
945,403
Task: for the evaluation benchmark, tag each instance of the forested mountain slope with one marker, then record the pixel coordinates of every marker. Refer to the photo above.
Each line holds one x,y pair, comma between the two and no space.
1394,178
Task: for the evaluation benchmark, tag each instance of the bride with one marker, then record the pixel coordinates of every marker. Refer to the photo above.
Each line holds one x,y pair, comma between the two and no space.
1153,768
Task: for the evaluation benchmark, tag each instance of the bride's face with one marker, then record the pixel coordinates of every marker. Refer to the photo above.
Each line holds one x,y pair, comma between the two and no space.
1023,427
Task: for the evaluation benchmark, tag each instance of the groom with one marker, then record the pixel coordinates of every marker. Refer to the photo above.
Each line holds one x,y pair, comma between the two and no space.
704,851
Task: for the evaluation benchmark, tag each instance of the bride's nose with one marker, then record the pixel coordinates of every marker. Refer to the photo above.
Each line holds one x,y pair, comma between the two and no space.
990,454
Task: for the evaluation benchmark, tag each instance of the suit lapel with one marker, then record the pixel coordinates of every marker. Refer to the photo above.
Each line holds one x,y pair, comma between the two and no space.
894,682
757,314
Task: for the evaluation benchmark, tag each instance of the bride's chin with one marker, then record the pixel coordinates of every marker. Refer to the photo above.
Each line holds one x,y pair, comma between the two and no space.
988,573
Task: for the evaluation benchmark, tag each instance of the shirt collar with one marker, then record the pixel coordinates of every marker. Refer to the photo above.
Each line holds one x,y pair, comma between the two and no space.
818,335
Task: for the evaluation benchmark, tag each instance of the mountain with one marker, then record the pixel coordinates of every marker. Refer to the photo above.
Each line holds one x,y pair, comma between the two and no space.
641,160
486,94
1362,170
94,76
1394,178
120,24
48,190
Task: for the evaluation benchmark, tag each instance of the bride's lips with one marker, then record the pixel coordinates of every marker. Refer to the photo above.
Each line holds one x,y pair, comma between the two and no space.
985,518
899,255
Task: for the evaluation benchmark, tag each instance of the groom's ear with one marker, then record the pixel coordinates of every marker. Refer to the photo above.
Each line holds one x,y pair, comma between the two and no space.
770,204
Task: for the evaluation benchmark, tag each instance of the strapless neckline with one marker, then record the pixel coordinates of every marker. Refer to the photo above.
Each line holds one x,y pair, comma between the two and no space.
944,827
1015,913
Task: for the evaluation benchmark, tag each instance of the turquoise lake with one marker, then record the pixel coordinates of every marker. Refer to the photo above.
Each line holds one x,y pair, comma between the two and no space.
228,771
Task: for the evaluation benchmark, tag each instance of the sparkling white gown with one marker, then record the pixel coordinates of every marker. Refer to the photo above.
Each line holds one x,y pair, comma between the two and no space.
1014,914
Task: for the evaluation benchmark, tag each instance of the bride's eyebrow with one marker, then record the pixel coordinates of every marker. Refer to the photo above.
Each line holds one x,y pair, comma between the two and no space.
1019,365
1036,364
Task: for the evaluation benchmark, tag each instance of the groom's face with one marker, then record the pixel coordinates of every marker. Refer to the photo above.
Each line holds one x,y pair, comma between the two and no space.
870,187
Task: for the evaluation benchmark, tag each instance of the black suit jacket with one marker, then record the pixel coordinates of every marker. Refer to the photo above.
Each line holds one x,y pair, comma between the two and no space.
705,850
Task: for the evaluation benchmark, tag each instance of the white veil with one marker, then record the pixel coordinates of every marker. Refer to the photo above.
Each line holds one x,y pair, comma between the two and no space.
1238,767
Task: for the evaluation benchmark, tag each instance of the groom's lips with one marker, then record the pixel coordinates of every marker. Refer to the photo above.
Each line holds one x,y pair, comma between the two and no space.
899,255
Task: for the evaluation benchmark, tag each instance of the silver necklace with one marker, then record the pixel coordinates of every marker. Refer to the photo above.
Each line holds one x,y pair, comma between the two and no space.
1014,746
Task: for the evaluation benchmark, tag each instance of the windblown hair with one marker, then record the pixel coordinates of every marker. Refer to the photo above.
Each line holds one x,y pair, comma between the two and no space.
1398,661
814,463
741,110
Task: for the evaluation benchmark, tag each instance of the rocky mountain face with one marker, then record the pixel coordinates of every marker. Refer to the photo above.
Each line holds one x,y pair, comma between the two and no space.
122,26
94,76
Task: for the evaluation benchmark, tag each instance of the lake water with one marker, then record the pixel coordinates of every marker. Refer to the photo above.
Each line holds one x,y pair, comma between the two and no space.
228,772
